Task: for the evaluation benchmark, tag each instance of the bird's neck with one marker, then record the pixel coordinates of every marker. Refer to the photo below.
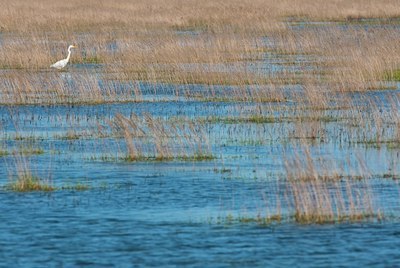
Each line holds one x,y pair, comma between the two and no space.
69,54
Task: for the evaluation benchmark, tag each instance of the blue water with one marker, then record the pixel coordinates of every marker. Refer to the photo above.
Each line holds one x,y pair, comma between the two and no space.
181,213
117,228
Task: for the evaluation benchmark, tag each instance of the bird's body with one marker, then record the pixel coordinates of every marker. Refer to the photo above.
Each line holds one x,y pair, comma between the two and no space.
62,63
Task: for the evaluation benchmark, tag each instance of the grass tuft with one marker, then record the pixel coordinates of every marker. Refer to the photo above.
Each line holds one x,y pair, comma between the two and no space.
392,75
29,183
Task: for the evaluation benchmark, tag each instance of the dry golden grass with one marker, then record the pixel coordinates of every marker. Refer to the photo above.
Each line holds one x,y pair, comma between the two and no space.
151,138
318,192
76,15
211,42
352,57
319,202
22,179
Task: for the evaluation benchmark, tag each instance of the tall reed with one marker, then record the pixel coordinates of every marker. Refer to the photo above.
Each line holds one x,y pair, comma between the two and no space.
151,138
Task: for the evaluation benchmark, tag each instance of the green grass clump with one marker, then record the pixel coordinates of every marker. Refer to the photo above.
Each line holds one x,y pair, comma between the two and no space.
28,183
77,187
197,157
262,220
318,218
390,144
256,119
92,59
257,219
31,151
301,218
3,153
392,75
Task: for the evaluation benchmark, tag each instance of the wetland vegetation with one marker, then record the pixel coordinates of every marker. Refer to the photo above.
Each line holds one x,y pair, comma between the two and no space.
200,127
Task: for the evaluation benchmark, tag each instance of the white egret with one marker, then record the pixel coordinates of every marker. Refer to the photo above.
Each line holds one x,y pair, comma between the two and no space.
62,63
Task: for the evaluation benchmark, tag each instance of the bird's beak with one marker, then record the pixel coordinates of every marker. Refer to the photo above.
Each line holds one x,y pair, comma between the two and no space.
74,46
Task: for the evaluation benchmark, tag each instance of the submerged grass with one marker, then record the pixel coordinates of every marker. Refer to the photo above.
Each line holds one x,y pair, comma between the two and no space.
301,219
30,151
240,120
76,187
193,158
35,184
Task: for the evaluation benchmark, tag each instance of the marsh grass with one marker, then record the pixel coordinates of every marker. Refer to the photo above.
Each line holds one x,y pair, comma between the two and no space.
193,158
27,183
320,202
211,47
34,184
30,151
393,75
240,120
281,66
151,138
22,179
317,191
80,186
259,220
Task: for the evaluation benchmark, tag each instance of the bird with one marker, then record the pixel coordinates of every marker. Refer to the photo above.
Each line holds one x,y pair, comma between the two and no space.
62,63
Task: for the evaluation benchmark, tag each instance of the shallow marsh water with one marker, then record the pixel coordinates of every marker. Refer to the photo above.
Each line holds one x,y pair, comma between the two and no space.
191,213
177,212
